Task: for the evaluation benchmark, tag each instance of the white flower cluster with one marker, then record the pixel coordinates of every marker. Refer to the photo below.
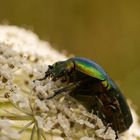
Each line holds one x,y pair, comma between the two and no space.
25,111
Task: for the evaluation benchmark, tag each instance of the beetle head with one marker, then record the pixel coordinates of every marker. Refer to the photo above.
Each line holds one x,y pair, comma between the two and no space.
59,69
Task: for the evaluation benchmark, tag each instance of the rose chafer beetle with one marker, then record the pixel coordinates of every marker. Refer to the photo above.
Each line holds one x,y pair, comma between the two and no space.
91,85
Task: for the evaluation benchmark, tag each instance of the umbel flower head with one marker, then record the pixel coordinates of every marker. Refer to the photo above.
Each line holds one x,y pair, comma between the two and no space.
25,111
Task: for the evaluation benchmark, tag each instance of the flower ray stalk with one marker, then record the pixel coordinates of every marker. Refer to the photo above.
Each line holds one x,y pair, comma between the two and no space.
26,126
33,132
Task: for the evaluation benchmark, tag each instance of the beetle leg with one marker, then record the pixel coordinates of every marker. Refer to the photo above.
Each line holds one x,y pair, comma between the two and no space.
65,78
109,124
41,79
61,90
47,73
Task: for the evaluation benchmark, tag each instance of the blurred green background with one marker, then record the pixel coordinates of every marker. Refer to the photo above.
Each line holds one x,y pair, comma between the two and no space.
105,31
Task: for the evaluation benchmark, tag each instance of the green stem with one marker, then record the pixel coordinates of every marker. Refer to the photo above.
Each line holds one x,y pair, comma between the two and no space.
17,117
26,126
38,134
33,133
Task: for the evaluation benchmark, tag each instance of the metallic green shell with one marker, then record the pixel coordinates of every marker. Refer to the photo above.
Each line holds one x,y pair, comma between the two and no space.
89,67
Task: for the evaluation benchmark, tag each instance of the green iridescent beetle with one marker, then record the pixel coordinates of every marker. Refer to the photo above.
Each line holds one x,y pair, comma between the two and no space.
91,85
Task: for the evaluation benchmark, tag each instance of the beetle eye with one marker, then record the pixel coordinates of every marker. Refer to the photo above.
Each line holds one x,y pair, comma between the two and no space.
50,67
